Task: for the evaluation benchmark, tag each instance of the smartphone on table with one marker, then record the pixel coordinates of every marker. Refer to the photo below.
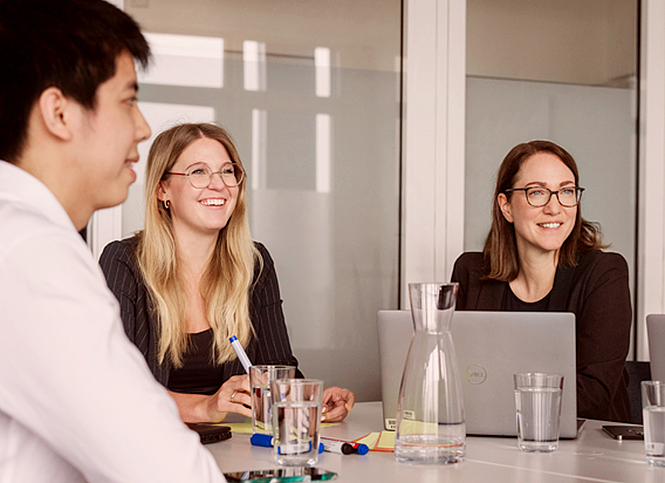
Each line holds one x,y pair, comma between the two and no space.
210,433
621,433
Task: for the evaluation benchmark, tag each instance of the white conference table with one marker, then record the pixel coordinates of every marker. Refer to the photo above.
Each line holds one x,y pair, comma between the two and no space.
592,457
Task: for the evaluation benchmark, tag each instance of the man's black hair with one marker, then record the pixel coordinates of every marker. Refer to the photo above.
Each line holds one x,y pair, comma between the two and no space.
69,44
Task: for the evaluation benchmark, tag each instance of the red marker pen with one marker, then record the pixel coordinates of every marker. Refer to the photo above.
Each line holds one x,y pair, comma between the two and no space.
343,447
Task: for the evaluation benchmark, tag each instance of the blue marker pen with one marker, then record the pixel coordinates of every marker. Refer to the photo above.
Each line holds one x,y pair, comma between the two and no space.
242,355
259,439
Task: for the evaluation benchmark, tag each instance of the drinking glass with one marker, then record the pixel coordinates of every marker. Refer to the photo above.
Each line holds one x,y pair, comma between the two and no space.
538,408
653,414
260,377
296,415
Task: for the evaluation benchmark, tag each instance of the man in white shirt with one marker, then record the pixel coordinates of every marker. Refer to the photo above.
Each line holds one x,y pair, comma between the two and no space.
77,401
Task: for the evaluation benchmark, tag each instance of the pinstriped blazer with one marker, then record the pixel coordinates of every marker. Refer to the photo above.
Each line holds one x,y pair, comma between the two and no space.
270,345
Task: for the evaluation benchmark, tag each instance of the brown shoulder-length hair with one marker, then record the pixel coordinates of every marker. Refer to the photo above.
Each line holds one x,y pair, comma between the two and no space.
501,260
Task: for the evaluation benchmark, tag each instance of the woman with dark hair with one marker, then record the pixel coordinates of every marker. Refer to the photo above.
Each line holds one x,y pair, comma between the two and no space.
541,255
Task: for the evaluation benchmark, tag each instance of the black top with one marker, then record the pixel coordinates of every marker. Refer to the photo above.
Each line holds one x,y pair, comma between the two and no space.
270,345
198,375
596,291
514,304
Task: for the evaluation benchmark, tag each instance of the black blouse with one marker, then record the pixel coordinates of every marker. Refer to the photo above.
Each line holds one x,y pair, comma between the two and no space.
513,304
198,375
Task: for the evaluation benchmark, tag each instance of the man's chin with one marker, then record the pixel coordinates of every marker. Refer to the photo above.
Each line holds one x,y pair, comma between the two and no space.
113,201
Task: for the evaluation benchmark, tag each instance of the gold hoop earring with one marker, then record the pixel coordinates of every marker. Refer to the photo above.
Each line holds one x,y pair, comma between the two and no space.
167,204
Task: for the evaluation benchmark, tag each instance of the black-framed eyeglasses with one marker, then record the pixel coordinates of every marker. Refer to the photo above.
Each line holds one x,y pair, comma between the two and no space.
200,175
538,196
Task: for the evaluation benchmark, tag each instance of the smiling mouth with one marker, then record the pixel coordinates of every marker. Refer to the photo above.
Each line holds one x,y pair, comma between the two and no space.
215,202
550,225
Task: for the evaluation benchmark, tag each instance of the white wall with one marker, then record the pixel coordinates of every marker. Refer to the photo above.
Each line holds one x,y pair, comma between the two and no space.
362,32
590,42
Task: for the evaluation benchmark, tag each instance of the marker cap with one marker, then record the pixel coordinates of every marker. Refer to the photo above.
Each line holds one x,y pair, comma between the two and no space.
259,439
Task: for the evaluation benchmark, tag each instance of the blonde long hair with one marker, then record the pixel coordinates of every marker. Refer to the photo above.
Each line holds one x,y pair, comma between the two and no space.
227,280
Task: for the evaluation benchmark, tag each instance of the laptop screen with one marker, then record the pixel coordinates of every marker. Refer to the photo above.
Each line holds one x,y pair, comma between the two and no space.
490,348
656,335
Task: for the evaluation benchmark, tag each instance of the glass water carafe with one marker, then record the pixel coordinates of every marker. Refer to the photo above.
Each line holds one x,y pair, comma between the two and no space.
430,413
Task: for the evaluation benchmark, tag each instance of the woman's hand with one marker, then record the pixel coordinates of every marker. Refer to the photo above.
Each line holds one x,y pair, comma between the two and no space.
232,397
337,404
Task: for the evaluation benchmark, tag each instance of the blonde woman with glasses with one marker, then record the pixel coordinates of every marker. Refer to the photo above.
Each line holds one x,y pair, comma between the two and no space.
193,278
541,255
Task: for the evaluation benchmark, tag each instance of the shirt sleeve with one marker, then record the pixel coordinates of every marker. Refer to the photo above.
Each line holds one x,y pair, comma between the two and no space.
603,336
71,376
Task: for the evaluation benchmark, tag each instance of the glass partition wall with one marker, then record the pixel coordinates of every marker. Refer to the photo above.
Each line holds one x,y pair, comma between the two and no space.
311,93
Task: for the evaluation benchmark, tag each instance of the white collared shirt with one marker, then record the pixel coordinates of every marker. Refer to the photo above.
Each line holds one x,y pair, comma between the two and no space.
77,401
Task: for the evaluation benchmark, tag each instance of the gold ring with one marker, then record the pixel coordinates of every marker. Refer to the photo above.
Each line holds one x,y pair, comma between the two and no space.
233,395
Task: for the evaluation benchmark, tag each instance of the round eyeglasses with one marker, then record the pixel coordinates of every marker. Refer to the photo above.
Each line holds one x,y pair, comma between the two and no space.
200,175
538,196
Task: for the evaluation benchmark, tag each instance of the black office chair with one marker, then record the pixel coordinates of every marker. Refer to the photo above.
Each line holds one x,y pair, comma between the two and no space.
638,372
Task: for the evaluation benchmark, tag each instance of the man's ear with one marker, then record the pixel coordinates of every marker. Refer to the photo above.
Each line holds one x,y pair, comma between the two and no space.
505,207
56,112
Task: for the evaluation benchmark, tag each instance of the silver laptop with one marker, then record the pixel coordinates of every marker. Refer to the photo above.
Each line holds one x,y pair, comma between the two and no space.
490,348
656,335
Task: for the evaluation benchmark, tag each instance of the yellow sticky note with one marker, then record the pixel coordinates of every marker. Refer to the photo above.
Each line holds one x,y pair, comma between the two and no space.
247,428
418,427
240,427
370,440
386,441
